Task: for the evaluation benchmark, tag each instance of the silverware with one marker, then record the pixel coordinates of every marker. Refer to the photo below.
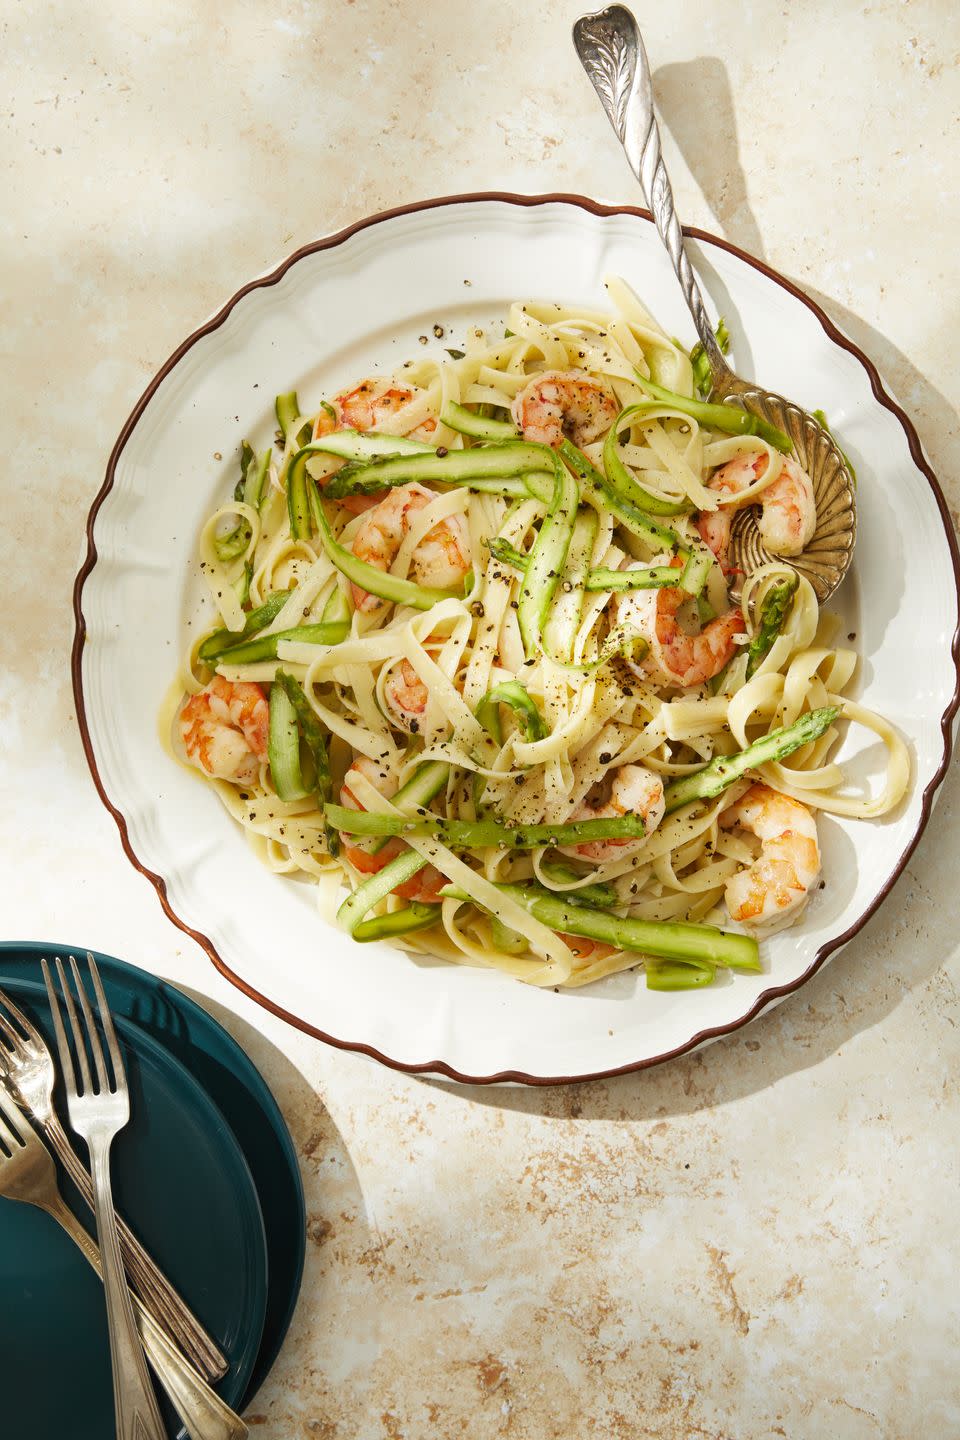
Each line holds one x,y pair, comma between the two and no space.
27,1173
96,1114
26,1062
612,53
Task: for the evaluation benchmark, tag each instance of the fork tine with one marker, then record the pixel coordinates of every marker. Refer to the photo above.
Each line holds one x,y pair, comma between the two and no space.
16,1041
106,1020
29,1029
63,1044
93,1033
16,1116
7,1141
76,1030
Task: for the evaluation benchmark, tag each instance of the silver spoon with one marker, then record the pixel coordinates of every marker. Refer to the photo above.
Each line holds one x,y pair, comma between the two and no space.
612,53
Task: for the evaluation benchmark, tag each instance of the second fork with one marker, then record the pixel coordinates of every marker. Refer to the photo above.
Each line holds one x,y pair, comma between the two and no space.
28,1064
96,1113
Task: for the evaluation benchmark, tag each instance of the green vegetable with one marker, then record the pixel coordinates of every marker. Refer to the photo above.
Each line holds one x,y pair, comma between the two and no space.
563,619
600,895
362,445
666,939
702,374
547,558
283,748
773,613
424,784
498,461
678,974
821,419
731,419
288,412
714,778
699,564
626,484
654,577
241,586
511,693
221,640
658,537
264,647
481,834
314,739
377,887
416,916
298,500
503,551
234,542
511,942
457,417
253,476
368,577
337,609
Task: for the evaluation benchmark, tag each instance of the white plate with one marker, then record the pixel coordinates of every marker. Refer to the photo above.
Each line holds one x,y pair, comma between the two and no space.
331,314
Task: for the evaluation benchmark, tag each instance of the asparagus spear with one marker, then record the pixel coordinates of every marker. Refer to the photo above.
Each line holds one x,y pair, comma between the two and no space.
507,554
714,778
772,615
220,640
701,365
399,922
599,895
481,834
512,693
729,418
377,887
264,647
665,939
653,577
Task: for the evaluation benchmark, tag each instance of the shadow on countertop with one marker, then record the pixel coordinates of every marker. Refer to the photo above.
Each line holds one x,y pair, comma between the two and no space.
339,1231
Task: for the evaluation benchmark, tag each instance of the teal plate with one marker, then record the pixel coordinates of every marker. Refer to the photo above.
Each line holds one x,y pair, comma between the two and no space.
181,1180
240,1093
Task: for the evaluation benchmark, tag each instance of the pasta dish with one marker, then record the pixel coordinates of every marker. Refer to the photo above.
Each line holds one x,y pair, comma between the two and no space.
484,672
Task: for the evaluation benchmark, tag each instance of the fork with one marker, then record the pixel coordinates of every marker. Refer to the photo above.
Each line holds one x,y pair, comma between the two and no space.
27,1173
28,1065
96,1114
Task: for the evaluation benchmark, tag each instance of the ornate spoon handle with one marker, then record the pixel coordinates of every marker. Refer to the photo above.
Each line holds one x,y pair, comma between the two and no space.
612,53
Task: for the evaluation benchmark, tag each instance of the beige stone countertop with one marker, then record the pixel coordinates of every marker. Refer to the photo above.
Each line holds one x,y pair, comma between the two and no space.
758,1240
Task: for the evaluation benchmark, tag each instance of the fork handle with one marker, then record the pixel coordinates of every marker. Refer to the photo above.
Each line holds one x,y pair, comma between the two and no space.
135,1404
204,1414
612,52
154,1287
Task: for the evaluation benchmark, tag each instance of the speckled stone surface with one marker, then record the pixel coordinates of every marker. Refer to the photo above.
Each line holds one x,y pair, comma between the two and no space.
761,1239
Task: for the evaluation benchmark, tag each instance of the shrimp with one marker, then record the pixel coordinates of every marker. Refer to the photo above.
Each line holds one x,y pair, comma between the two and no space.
564,404
788,513
441,559
426,885
675,657
632,790
225,730
587,952
407,696
776,886
365,407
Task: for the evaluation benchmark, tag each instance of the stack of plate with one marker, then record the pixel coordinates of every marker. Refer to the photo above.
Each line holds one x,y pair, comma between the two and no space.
207,1177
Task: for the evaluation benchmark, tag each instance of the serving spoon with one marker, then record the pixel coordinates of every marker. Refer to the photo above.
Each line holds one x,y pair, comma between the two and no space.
612,53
